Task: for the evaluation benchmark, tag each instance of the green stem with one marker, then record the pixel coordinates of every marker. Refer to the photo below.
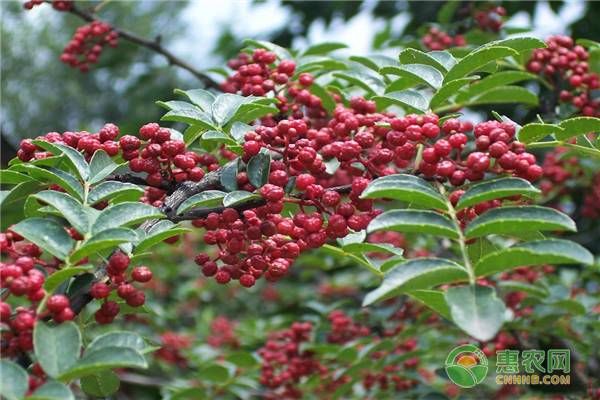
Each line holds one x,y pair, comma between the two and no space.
462,242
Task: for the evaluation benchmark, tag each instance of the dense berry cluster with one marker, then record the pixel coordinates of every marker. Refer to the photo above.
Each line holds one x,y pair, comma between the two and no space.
490,19
591,201
164,159
58,5
116,269
437,39
565,65
222,333
172,345
87,44
285,364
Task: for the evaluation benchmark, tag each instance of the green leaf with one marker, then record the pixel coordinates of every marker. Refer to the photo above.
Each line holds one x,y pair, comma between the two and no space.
69,208
519,44
476,310
239,197
477,59
415,274
578,126
368,82
447,11
434,59
160,231
433,299
242,359
12,203
536,131
217,136
238,131
226,106
326,99
407,188
410,100
110,189
505,94
374,61
323,48
421,72
124,214
214,373
103,240
449,89
103,359
10,177
102,384
101,165
516,286
258,169
496,189
209,198
540,252
14,380
52,390
501,78
372,248
57,278
56,348
74,157
229,175
52,175
181,111
47,234
414,221
518,219
120,339
199,97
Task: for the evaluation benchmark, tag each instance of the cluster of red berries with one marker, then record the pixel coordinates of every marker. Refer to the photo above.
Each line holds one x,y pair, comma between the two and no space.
490,19
565,64
437,39
284,363
259,74
23,274
222,333
344,329
172,345
58,5
591,201
87,44
116,270
84,141
164,158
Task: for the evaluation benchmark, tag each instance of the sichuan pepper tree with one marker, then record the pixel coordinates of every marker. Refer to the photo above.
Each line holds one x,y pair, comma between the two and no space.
295,153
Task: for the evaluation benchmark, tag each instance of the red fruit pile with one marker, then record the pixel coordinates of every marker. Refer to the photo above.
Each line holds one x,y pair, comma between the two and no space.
58,5
163,158
222,333
116,269
565,65
284,363
437,39
490,19
172,345
87,44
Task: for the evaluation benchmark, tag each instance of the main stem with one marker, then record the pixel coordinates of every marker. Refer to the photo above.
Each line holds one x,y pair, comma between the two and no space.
462,242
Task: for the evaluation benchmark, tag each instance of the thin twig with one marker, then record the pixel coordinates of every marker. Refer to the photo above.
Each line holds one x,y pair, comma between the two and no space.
153,45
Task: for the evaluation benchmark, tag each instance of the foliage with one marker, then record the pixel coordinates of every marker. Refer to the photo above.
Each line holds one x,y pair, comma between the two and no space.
320,183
